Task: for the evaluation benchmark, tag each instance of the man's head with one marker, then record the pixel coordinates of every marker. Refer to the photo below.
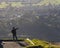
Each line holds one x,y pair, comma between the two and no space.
13,27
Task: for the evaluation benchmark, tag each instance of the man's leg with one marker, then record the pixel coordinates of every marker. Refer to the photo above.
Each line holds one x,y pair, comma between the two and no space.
16,37
13,37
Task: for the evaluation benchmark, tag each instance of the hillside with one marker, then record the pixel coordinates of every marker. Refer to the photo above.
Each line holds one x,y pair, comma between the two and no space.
27,43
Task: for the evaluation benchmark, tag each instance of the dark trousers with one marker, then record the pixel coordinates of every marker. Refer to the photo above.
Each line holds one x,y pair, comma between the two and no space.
14,37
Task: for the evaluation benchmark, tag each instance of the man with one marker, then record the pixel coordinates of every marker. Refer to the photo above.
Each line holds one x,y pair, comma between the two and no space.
14,33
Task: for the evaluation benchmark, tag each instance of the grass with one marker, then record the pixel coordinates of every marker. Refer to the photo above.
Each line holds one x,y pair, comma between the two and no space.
41,43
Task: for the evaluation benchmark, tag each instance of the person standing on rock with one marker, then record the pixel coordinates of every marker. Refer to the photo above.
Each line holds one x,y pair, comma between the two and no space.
14,33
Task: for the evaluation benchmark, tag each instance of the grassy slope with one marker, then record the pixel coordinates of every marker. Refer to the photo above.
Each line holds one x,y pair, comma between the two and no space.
42,43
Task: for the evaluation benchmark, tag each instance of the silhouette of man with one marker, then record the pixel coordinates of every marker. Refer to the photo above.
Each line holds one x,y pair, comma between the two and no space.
14,33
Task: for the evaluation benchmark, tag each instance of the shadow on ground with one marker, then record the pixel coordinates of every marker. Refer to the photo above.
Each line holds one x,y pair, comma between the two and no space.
1,45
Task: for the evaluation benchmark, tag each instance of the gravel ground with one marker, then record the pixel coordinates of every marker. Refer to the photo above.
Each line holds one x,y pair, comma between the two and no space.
11,45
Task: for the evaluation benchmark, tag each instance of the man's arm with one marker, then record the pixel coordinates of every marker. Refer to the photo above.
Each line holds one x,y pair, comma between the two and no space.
16,28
